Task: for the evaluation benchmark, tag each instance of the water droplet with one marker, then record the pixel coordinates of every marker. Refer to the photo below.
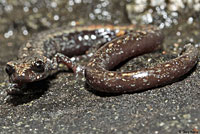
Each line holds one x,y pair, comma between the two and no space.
56,17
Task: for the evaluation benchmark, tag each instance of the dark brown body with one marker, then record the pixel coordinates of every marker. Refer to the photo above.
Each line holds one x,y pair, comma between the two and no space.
100,78
52,48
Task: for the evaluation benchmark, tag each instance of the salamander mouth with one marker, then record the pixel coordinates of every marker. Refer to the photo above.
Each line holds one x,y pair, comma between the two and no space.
19,79
23,86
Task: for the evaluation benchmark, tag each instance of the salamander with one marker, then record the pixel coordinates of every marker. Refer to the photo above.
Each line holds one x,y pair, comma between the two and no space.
41,55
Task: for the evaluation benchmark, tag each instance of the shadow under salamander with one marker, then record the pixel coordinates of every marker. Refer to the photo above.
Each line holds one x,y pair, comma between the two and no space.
31,92
35,90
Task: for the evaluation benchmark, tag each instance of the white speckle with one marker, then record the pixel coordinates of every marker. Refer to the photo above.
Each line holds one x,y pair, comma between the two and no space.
8,8
132,85
123,79
178,33
117,31
56,17
162,25
175,14
149,59
8,34
197,7
90,55
162,124
147,18
73,59
167,65
86,37
78,69
159,70
176,5
173,117
157,2
91,15
93,37
25,48
190,20
145,80
53,4
140,74
25,32
101,30
191,40
119,86
73,23
77,1
71,2
105,13
35,9
97,11
80,38
139,7
26,9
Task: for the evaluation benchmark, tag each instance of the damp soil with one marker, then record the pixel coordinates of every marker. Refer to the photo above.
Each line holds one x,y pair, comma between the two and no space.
63,103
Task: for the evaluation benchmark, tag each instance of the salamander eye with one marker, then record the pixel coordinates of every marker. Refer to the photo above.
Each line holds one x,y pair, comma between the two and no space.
38,66
9,69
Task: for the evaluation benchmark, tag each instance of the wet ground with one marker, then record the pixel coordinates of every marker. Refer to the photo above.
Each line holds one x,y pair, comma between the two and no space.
65,104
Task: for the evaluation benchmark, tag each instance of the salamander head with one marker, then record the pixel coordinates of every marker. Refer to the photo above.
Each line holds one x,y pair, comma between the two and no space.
28,69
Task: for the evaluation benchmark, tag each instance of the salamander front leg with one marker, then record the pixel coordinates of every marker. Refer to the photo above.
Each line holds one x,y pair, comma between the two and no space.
61,58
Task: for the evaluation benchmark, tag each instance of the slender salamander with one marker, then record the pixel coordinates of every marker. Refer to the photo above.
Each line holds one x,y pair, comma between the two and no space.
42,54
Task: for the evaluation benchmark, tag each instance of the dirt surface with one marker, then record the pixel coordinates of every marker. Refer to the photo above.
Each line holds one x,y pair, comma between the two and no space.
65,104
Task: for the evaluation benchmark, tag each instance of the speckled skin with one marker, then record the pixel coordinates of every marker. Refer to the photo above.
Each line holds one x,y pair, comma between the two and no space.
43,52
44,46
123,82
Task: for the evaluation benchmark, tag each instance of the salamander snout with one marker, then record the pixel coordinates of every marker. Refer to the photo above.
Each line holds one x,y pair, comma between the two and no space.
9,69
28,69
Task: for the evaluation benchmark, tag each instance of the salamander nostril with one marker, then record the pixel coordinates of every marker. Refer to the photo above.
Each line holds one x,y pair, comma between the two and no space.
9,69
